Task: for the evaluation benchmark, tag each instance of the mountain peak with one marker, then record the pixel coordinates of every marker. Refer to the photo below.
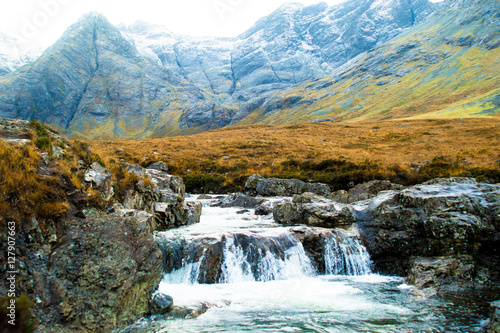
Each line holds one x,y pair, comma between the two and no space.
289,6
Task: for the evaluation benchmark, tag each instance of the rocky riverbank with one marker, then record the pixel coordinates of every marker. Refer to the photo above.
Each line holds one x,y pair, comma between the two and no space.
443,235
84,248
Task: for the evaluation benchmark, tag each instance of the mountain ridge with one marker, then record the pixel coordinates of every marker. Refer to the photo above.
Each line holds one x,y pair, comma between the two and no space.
150,82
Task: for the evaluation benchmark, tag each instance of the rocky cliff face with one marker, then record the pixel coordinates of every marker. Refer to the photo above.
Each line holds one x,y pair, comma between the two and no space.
144,81
442,67
93,78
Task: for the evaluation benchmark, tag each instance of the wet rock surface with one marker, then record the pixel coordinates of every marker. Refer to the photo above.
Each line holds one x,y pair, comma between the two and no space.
161,304
175,214
239,200
445,225
442,274
258,185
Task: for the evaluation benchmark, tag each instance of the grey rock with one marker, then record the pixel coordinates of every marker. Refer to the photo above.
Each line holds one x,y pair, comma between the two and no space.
239,200
263,210
169,215
190,312
432,275
443,217
99,178
161,304
194,211
99,276
161,166
257,185
312,210
364,191
160,179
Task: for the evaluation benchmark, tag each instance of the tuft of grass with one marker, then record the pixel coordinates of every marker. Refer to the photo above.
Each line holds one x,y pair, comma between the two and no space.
40,128
83,152
44,143
23,191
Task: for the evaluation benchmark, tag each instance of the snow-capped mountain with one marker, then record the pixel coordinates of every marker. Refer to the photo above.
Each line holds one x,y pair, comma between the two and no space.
14,53
142,80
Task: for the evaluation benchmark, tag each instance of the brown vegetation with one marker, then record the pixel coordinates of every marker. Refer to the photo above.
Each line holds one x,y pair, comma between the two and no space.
340,154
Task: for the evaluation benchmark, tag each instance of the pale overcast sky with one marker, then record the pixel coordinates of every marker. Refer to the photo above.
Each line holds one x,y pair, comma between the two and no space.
43,21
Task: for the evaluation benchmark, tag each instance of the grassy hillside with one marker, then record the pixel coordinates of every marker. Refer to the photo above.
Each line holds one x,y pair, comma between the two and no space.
448,66
337,153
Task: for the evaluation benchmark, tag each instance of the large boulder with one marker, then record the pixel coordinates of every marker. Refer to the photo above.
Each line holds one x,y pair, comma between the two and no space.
100,179
161,166
99,277
313,210
161,180
441,218
364,191
174,214
258,185
239,200
433,275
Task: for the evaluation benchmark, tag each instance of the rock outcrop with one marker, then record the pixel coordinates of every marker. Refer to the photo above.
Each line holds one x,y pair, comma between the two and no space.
169,206
443,234
98,276
258,185
444,217
364,191
100,179
313,210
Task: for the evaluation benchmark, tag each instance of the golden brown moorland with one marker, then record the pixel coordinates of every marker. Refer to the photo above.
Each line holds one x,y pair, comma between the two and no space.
340,154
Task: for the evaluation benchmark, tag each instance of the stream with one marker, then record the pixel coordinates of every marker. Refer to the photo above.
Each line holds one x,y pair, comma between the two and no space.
249,274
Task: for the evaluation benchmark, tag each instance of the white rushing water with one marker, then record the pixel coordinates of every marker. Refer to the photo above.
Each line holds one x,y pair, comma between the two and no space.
265,281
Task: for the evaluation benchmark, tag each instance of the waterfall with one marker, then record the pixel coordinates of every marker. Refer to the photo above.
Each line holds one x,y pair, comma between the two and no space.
344,255
262,255
279,257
